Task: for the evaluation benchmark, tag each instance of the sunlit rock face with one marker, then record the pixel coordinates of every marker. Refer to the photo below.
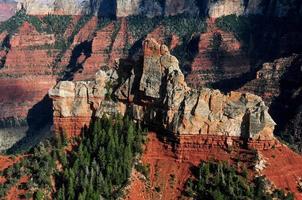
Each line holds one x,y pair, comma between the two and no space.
42,7
150,8
160,96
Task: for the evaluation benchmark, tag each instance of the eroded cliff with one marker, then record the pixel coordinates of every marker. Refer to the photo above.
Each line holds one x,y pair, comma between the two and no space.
122,8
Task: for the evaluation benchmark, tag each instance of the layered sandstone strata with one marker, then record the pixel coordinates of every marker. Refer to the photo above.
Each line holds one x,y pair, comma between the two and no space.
279,84
75,103
219,57
267,83
26,74
160,96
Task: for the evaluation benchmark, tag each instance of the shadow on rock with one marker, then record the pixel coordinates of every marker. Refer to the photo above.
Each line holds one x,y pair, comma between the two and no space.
39,120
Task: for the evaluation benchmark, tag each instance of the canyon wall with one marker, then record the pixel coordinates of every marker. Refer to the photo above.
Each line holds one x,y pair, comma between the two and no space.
100,44
279,83
26,74
150,8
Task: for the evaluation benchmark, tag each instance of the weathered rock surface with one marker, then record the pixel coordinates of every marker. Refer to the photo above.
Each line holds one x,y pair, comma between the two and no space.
7,9
160,96
28,37
42,7
279,83
150,8
268,78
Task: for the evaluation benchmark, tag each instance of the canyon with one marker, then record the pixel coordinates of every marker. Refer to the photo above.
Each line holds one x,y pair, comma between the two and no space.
101,43
54,81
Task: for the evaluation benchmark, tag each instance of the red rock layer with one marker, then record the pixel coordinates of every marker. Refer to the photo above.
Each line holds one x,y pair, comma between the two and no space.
27,73
160,34
233,61
71,125
28,62
284,168
169,171
101,46
27,36
71,26
19,95
86,31
268,78
119,44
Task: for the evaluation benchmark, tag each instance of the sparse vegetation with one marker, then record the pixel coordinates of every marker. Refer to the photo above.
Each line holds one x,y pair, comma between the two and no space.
172,180
239,25
12,25
12,122
143,169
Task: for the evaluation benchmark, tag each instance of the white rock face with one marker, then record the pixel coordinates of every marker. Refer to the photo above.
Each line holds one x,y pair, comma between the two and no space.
128,7
151,8
226,7
42,7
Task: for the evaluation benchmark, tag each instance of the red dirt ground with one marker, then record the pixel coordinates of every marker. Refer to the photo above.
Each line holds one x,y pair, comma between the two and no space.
168,173
284,169
6,161
14,193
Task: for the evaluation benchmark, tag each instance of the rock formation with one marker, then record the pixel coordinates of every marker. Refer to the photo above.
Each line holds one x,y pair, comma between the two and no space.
268,78
7,9
160,96
150,8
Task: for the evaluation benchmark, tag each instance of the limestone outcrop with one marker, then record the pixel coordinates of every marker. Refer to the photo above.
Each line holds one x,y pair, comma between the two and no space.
159,96
150,8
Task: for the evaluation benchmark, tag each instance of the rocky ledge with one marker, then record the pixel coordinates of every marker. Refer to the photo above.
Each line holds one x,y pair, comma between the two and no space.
156,93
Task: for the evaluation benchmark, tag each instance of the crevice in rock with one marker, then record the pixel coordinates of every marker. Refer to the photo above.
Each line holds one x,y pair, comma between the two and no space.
39,120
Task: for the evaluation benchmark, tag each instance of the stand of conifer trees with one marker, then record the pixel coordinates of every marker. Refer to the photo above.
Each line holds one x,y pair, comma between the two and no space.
219,181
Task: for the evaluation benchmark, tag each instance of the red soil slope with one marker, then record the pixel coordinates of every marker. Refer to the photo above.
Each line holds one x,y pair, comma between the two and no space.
169,171
15,193
5,162
284,168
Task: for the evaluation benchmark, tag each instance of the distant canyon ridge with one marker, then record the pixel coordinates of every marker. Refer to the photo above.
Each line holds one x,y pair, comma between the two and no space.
151,8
